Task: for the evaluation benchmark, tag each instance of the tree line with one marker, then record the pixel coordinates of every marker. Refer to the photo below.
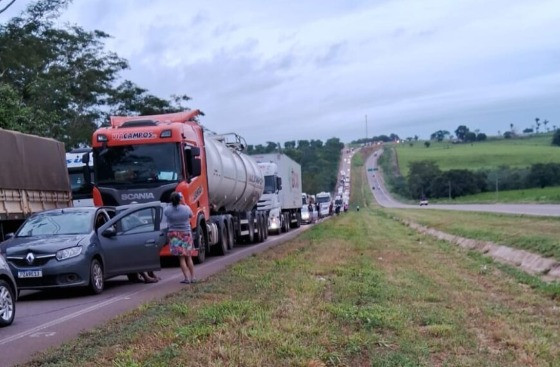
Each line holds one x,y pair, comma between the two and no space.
61,81
426,179
319,162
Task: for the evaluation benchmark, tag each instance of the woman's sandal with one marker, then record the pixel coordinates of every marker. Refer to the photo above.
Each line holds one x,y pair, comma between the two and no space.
185,281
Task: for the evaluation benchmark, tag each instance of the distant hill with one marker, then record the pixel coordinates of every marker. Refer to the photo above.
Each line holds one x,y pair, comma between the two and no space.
490,154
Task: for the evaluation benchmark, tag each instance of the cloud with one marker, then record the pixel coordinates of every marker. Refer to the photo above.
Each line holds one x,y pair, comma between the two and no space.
296,70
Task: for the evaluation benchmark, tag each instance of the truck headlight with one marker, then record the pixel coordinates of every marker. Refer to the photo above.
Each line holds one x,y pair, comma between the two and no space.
67,253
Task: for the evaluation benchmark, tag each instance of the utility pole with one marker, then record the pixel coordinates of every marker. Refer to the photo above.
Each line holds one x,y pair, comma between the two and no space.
366,130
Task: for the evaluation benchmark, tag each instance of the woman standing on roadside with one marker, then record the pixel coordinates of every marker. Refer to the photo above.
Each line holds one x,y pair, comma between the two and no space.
178,216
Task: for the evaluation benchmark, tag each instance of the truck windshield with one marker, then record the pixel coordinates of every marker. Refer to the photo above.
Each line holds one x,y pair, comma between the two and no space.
137,164
78,183
269,184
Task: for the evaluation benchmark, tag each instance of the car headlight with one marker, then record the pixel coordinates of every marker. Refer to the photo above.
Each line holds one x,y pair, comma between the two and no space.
68,253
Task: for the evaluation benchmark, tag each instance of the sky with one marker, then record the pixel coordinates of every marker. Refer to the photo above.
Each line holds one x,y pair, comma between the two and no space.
293,70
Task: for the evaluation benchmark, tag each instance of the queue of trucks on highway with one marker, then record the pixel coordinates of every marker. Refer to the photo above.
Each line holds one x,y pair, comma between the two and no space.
235,198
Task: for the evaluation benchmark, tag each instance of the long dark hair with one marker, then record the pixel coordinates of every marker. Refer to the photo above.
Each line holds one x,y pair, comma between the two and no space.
176,198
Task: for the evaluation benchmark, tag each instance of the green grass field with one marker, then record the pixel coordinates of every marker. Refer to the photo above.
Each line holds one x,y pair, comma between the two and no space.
488,155
547,195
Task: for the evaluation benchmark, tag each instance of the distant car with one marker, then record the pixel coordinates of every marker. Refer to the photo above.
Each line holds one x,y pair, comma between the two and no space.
309,216
423,202
84,246
8,294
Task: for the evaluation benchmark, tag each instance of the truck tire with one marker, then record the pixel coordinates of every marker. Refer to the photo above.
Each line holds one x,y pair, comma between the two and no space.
298,216
200,242
231,235
221,246
251,227
265,225
260,235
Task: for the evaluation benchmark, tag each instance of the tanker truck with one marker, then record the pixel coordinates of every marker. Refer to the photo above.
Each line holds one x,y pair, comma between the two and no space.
33,178
282,195
147,158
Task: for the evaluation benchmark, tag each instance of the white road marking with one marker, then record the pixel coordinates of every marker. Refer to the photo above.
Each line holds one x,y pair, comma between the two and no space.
36,331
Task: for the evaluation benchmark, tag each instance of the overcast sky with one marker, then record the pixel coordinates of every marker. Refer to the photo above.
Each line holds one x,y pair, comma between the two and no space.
292,70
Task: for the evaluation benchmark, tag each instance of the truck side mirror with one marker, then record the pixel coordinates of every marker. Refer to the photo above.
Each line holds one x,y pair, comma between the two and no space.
85,159
279,183
86,170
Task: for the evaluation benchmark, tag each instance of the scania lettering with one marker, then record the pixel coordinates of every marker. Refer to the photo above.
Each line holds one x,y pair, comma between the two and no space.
146,158
144,197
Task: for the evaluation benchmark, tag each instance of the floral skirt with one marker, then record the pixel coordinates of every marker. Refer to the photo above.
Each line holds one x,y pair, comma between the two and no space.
181,243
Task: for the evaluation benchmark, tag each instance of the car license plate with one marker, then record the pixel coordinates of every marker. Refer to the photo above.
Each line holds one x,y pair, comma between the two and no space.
30,274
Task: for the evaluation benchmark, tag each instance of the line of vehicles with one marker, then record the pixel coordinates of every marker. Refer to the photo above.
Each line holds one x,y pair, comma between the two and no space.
76,219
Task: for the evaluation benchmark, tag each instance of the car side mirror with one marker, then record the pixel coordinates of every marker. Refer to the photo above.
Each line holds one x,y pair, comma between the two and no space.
9,235
109,232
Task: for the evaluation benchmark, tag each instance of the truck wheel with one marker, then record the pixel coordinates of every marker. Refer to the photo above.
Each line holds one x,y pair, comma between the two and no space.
298,216
221,246
96,281
258,229
200,243
251,225
265,226
231,237
7,303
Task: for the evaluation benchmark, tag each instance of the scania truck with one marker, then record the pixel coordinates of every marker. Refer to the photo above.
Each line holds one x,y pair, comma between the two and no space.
282,195
33,178
146,158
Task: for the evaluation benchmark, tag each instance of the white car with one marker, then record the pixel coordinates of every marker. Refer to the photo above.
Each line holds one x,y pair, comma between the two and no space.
424,202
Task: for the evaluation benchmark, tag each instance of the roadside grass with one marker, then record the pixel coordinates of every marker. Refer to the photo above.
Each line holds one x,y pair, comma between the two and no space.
359,289
535,234
525,196
488,154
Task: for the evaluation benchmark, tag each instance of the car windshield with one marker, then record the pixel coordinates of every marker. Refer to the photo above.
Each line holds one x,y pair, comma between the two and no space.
323,199
58,223
138,164
304,209
269,184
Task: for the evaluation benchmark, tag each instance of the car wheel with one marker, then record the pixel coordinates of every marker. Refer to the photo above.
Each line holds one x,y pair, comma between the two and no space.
96,281
7,304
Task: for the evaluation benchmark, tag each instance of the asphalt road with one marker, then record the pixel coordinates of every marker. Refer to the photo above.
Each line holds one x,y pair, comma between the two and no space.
382,196
46,319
